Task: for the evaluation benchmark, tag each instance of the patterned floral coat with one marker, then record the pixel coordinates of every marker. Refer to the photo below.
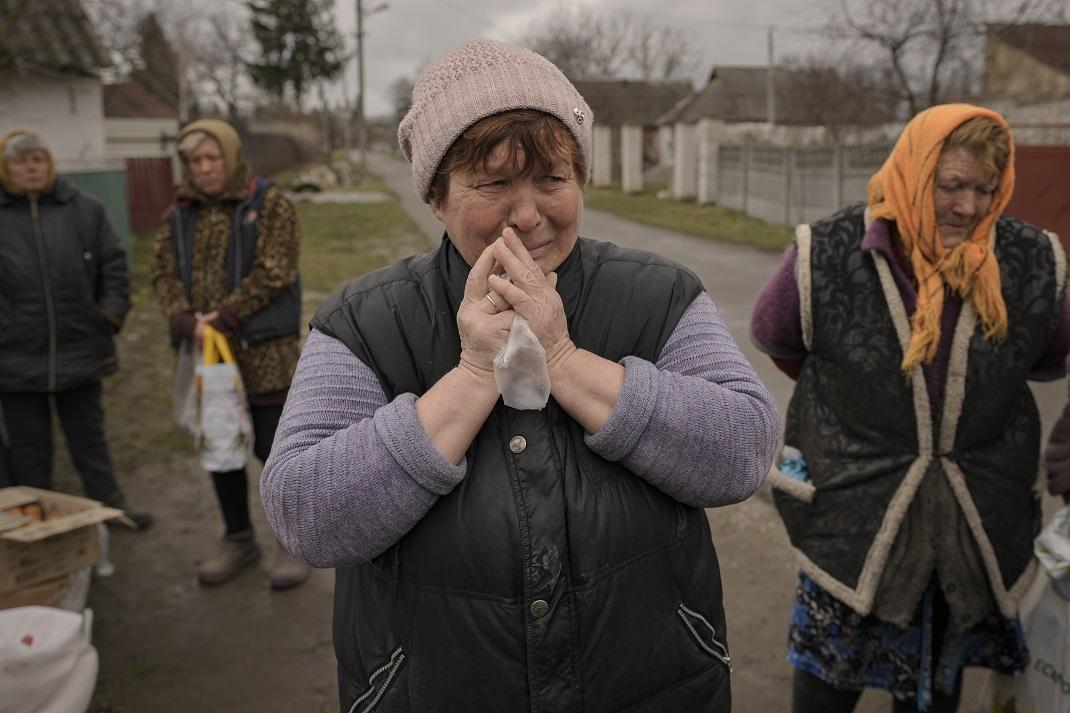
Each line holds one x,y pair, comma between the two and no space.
266,368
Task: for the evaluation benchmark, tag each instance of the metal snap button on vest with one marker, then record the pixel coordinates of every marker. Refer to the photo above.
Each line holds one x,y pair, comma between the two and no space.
517,444
539,608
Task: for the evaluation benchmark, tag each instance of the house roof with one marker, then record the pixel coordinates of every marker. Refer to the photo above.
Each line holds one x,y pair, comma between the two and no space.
1049,44
133,100
56,34
738,94
634,102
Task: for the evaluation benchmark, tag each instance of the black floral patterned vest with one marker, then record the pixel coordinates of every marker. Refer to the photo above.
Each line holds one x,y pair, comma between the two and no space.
867,431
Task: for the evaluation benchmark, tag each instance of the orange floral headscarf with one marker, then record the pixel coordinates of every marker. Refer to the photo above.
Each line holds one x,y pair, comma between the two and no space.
902,191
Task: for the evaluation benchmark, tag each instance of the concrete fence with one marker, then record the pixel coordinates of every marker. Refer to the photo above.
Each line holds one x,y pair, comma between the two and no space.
685,161
785,184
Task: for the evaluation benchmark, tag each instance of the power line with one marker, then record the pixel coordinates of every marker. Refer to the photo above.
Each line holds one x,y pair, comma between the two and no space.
690,20
466,12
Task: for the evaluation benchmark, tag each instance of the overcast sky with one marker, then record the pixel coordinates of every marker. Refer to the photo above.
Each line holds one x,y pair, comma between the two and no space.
407,34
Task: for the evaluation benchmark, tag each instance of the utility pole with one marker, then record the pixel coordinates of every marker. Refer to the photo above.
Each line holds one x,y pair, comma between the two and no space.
770,83
363,126
325,121
362,120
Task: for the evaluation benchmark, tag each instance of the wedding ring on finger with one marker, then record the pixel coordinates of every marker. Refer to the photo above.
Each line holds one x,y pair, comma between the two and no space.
490,298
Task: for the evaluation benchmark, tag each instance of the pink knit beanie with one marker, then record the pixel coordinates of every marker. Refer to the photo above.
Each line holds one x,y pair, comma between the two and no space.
478,79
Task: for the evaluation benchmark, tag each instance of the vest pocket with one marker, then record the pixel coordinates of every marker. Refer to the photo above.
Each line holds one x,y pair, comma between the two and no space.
379,683
705,635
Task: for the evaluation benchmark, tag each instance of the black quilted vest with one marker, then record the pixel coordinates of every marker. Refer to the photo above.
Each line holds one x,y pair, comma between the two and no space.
854,414
550,579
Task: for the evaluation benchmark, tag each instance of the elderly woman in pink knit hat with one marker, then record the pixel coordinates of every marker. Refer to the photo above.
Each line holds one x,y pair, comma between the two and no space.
493,555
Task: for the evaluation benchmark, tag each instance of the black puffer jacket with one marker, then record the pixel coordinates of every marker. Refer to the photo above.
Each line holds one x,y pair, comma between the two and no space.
550,580
64,291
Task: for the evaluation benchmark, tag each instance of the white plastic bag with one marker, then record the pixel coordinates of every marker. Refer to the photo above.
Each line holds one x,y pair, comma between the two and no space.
1052,548
47,661
184,388
520,369
225,429
1044,687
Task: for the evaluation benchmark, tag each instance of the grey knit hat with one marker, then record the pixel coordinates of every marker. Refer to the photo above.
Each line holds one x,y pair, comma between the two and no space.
23,142
478,79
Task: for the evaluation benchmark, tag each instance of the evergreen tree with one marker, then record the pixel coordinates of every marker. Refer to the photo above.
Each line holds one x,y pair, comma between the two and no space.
298,45
158,63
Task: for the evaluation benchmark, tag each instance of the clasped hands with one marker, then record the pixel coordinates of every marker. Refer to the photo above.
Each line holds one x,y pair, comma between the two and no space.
490,303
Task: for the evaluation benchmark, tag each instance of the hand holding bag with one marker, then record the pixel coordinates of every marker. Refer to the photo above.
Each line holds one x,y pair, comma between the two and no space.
225,429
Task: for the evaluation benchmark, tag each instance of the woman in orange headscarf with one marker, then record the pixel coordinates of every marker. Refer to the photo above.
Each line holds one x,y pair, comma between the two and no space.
911,324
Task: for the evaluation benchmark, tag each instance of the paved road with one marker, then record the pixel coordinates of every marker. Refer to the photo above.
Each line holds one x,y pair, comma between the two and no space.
758,573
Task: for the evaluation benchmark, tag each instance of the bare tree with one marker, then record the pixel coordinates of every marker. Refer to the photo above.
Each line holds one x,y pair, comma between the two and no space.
401,96
587,43
662,51
209,45
157,64
838,94
219,64
931,48
116,22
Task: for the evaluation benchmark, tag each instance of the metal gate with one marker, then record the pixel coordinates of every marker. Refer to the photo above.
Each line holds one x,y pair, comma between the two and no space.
1042,188
150,189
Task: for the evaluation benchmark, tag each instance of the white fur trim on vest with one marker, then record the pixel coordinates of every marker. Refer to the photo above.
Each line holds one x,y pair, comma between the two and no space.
1060,262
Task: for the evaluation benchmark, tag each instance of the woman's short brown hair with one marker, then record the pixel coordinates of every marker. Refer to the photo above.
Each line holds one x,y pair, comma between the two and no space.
985,140
540,137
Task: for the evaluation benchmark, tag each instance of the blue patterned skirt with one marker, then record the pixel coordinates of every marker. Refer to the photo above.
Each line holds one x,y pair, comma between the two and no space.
831,641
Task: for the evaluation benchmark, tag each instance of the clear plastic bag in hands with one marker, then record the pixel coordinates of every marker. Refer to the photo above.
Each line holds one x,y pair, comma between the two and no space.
520,369
184,388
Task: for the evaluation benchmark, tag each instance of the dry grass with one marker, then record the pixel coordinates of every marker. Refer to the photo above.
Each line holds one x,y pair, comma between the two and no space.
707,221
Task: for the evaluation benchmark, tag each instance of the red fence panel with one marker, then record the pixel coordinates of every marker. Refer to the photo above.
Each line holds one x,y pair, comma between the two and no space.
1042,188
150,189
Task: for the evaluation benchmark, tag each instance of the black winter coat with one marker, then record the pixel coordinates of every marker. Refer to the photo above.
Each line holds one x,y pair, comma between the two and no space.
64,291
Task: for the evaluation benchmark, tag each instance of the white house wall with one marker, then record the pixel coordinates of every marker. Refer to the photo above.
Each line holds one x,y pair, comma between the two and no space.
665,145
141,138
68,112
708,147
603,156
685,161
631,156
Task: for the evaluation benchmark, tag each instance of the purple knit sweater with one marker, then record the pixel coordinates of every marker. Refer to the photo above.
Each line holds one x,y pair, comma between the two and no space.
350,473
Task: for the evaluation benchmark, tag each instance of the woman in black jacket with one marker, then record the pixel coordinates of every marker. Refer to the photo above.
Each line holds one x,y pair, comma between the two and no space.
64,292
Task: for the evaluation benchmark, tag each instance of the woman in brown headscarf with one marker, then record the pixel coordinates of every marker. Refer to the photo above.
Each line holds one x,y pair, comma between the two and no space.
911,324
226,255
